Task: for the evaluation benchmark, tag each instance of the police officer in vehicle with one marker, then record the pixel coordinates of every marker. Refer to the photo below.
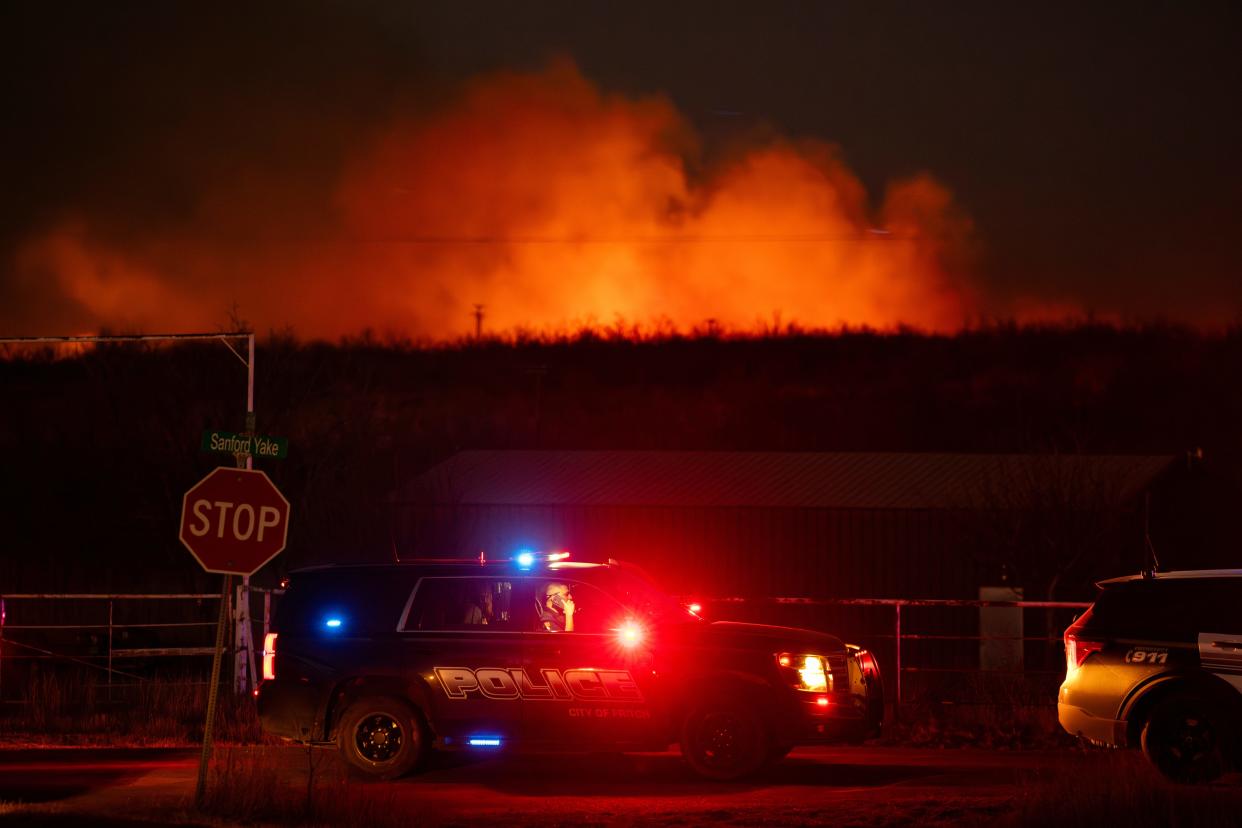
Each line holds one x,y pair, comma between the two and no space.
479,608
557,613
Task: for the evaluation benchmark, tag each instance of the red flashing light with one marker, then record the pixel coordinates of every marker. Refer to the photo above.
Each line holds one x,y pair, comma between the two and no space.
630,634
822,701
269,657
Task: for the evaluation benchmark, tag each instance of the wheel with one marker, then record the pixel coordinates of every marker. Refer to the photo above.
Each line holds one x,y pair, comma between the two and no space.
1182,738
724,740
382,737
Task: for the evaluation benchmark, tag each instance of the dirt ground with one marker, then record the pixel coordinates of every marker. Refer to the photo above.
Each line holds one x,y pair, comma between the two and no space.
842,786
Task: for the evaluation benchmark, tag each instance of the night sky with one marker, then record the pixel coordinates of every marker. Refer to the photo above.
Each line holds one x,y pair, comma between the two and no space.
172,154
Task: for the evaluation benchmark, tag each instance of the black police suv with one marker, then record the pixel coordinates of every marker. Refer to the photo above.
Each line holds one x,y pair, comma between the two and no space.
389,661
1157,661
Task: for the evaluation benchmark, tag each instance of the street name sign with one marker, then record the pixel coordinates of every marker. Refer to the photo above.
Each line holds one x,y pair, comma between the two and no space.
252,445
234,521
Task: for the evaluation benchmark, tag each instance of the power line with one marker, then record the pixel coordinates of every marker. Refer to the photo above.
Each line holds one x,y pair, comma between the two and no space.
870,237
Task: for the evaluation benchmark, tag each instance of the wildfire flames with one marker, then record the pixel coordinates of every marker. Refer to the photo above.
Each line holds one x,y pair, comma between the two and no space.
547,201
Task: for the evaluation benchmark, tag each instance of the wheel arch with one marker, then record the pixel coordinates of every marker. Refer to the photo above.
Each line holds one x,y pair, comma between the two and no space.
726,683
1142,699
351,689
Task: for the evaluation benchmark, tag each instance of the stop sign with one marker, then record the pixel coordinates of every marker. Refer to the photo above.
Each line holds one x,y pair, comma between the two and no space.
234,520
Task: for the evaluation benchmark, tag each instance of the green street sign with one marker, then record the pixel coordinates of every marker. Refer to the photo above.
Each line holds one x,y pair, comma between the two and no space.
254,445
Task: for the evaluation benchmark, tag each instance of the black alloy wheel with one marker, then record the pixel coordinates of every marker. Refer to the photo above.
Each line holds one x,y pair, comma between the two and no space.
378,738
1182,738
724,740
382,737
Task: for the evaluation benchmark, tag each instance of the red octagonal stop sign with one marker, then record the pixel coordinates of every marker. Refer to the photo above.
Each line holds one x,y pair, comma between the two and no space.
234,520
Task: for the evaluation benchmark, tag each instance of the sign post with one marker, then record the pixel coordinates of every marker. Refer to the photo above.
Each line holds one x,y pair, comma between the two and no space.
213,693
233,521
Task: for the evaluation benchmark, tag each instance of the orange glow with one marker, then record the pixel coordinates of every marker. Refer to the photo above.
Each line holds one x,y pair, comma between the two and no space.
551,203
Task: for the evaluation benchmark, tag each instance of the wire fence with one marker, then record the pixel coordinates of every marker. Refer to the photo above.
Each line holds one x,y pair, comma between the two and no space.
921,643
118,639
916,639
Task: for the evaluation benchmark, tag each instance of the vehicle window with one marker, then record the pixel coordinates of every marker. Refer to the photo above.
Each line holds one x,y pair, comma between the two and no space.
595,611
1221,607
479,604
351,602
1164,610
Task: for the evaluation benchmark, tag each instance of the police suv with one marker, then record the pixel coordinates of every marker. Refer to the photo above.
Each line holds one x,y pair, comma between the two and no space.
1157,661
388,661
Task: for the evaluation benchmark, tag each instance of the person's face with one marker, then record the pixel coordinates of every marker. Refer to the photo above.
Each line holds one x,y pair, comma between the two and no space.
558,591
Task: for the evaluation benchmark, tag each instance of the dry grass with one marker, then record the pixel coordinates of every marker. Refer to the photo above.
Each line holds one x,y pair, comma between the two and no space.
68,709
251,785
1121,788
1017,727
982,710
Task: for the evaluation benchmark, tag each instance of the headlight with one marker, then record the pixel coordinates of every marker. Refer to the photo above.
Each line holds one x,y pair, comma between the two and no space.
805,671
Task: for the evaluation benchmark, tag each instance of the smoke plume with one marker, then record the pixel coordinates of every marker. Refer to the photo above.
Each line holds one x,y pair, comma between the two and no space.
539,196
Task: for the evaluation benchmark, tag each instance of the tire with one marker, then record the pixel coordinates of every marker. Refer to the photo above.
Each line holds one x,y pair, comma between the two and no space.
382,737
725,740
1183,738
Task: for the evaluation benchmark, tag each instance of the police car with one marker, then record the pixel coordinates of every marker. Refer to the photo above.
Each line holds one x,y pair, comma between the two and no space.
545,654
1157,661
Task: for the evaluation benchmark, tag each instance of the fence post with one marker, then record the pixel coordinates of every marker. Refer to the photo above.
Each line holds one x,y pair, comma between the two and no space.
897,671
252,677
110,682
267,614
1,648
239,639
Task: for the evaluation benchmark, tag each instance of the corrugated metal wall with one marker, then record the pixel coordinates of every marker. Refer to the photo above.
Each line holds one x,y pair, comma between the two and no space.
728,551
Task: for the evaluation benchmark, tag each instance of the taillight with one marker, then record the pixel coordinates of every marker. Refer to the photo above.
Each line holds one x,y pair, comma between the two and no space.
269,656
1078,648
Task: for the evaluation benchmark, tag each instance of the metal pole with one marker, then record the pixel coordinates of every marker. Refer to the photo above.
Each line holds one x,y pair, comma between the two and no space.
239,643
267,613
1,648
897,671
109,649
244,617
213,691
243,636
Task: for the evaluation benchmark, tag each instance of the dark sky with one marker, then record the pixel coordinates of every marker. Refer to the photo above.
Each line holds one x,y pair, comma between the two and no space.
1094,145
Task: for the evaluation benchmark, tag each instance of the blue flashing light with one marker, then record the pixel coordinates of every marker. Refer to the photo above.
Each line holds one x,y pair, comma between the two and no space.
525,559
332,623
484,741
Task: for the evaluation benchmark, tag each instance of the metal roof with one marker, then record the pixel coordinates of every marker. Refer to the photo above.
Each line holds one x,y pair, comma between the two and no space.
1175,575
814,480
